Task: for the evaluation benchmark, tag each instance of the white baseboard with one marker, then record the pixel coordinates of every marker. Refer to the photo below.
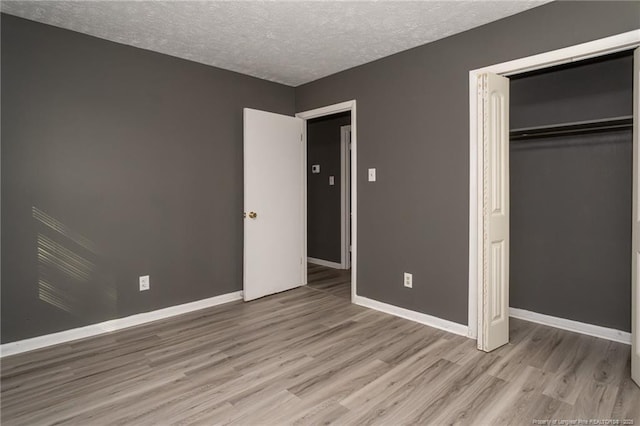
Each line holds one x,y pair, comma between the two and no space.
113,325
326,263
570,325
431,321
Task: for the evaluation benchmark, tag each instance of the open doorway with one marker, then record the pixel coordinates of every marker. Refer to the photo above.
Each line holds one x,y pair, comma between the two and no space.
275,199
330,199
328,205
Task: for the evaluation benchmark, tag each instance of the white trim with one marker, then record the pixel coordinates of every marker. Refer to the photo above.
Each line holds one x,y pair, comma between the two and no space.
475,215
431,321
570,325
345,187
578,52
326,263
39,342
327,110
303,164
320,112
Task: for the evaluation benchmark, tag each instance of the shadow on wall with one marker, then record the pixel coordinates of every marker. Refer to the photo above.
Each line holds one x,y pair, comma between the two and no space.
72,276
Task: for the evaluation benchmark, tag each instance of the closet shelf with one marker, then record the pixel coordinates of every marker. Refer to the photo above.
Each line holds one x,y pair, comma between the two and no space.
575,128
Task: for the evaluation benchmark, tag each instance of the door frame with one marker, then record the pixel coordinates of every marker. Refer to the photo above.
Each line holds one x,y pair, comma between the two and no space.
592,49
345,195
321,112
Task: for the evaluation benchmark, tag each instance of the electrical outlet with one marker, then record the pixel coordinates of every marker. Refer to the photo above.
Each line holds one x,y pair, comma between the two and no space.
408,280
144,283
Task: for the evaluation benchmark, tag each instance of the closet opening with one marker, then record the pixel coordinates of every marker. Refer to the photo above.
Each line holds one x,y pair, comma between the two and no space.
570,192
569,138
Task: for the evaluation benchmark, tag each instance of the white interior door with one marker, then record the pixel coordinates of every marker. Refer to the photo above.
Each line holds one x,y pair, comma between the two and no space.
635,292
494,130
273,203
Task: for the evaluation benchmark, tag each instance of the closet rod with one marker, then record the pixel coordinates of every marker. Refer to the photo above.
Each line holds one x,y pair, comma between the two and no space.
567,129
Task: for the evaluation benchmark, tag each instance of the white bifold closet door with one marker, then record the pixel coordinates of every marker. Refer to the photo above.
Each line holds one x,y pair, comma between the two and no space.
494,132
273,203
635,241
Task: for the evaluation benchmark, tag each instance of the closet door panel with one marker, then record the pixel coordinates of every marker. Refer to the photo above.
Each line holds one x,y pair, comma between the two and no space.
494,317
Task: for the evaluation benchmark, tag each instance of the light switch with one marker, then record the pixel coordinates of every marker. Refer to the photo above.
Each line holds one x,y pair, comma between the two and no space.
144,282
315,168
332,180
372,175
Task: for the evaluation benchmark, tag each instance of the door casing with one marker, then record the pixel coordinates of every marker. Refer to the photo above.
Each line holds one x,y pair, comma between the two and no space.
345,197
321,112
601,47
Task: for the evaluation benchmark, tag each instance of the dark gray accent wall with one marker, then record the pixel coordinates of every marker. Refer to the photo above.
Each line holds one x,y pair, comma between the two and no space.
571,228
413,126
586,90
323,200
571,195
116,162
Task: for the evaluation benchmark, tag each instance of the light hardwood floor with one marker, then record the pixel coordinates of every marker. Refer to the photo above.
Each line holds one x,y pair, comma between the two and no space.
333,281
307,356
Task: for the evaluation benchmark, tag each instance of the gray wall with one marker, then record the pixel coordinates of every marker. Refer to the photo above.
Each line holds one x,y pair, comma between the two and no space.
571,228
571,196
588,90
413,126
323,200
116,162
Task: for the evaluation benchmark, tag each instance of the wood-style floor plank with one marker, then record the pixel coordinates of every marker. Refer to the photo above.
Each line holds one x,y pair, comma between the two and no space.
308,356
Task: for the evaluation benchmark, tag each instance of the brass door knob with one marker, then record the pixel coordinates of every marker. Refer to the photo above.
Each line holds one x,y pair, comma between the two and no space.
253,215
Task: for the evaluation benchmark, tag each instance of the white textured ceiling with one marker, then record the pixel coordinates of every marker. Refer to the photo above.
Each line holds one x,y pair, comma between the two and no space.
290,42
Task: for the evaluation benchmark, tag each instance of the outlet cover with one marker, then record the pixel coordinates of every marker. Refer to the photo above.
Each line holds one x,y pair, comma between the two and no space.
408,280
144,282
